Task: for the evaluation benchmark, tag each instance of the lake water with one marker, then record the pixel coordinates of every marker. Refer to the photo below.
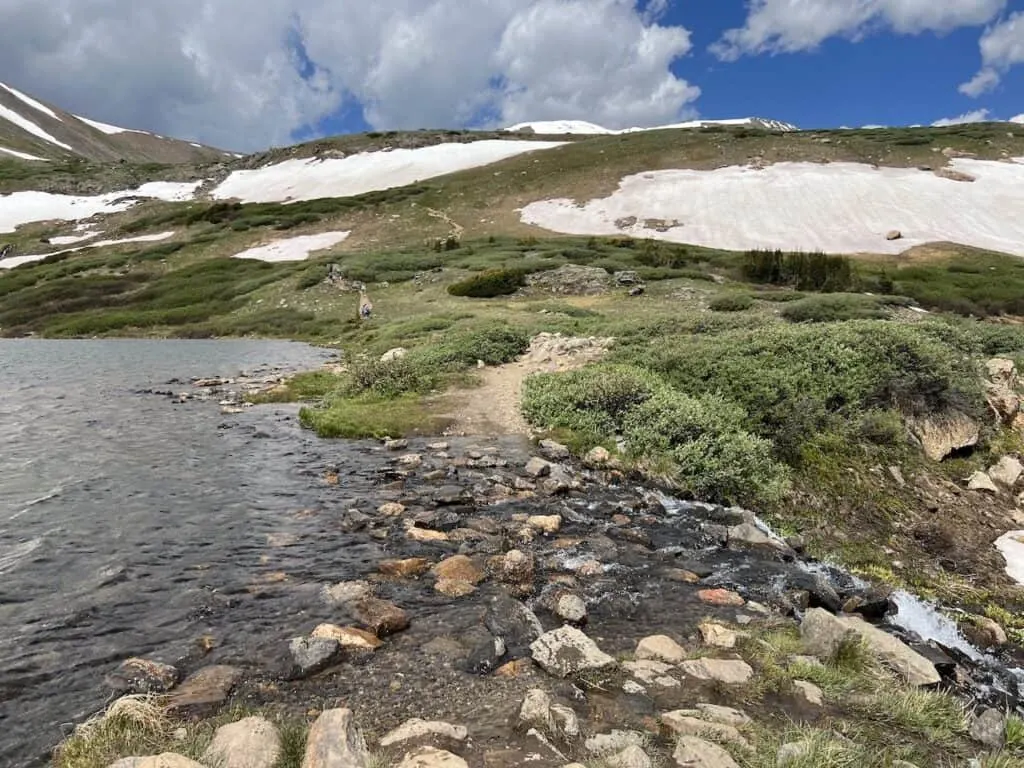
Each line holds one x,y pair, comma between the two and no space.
123,516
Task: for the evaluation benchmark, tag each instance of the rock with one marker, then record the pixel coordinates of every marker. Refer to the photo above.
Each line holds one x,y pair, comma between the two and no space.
425,535
514,567
726,715
941,434
404,569
558,482
661,648
683,725
311,654
127,762
571,279
616,741
485,656
567,725
792,753
597,457
721,597
809,693
952,175
893,234
538,467
410,460
335,742
989,633
989,728
206,687
651,671
536,711
348,637
749,536
572,609
452,495
554,451
417,729
514,623
382,617
979,481
453,588
514,669
391,509
545,523
393,354
728,671
694,752
396,445
716,635
1001,389
137,675
630,757
626,277
459,568
683,575
429,757
253,742
1007,471
567,651
167,760
822,634
346,592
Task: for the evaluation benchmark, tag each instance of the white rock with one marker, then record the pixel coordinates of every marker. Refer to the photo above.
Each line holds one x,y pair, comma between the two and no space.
571,608
567,651
616,741
335,742
979,481
428,757
809,692
717,636
1007,471
545,523
536,710
417,728
662,648
726,715
694,752
630,757
168,760
729,671
647,670
253,742
394,354
684,725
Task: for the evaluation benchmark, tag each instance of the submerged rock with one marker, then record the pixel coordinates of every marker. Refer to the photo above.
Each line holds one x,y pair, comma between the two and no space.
382,617
205,688
137,675
418,729
253,742
404,569
567,651
335,742
312,654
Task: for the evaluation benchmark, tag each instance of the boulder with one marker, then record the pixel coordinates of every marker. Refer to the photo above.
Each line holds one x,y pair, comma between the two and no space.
554,451
335,742
631,757
943,433
429,757
571,608
988,633
1007,471
989,729
661,648
348,637
1001,389
749,536
979,481
716,635
538,467
207,687
720,597
545,523
253,742
137,675
727,671
683,725
167,760
382,617
404,569
809,693
393,354
894,234
459,568
312,654
418,729
567,651
694,752
346,592
597,457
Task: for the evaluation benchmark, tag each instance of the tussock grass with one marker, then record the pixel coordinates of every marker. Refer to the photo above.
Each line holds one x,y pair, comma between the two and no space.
131,725
374,417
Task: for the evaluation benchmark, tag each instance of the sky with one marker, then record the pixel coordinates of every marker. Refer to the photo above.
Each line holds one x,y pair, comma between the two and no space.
249,74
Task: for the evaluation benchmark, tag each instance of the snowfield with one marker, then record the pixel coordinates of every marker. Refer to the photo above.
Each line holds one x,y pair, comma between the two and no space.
310,179
27,125
583,128
14,261
20,208
836,207
1011,547
293,248
106,128
30,101
20,155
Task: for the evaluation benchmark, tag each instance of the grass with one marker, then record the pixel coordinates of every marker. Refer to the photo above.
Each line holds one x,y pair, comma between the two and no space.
309,385
374,416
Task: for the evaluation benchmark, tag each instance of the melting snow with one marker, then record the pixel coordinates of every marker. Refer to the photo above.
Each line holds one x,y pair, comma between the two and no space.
20,155
293,248
15,261
29,126
72,239
835,207
296,180
581,127
1011,547
30,101
106,128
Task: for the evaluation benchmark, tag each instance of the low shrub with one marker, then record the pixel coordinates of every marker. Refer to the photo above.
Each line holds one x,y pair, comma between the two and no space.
734,302
834,308
493,282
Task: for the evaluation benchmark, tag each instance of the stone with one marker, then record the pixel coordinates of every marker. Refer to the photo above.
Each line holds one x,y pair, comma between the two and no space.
393,354
453,588
953,175
396,445
311,654
127,762
382,617
694,752
538,467
391,509
749,536
683,725
514,567
404,569
335,742
545,523
1001,389
726,715
452,495
137,675
253,742
485,656
167,760
716,635
536,711
514,669
989,728
1007,471
554,451
989,633
425,535
893,234
459,568
809,693
822,633
515,624
633,688
346,592
348,637
631,757
589,569
571,608
616,741
647,670
943,433
728,671
597,457
567,651
430,757
207,687
417,729
410,460
567,725
720,597
661,648
683,575
979,481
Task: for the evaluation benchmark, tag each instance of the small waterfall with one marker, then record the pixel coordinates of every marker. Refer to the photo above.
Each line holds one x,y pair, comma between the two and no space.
924,620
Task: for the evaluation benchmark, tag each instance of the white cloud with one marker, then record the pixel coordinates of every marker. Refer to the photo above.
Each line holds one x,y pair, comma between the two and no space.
977,116
787,26
1017,119
227,72
1002,46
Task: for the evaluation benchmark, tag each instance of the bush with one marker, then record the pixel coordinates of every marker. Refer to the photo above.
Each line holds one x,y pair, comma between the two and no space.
494,282
803,271
828,309
736,302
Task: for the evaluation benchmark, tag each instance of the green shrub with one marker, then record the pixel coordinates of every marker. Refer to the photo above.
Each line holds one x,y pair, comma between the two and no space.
803,271
833,308
734,302
312,277
494,282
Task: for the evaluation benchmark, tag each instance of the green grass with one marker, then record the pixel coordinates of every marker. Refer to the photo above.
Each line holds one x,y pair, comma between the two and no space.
309,385
831,308
734,302
369,416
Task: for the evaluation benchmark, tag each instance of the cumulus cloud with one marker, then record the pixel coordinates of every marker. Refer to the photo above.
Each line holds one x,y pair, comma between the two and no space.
1002,46
1017,119
977,116
242,75
788,26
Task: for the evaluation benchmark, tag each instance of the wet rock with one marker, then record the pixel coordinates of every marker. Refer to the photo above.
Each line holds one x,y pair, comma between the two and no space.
335,742
630,757
809,693
557,483
597,457
425,535
749,536
396,445
538,467
391,509
485,656
567,651
683,575
346,592
1007,471
348,637
989,728
438,447
137,675
419,729
459,568
988,633
694,752
545,523
514,567
616,741
253,742
660,648
312,654
404,569
167,760
651,671
979,481
941,434
717,636
720,597
454,588
571,608
684,725
554,451
410,460
514,623
727,671
382,617
207,687
589,569
451,495
430,757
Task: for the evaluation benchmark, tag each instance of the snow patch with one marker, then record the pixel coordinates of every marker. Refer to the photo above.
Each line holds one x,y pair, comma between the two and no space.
1011,547
107,128
20,155
30,101
72,239
834,207
309,179
15,261
583,128
293,248
27,125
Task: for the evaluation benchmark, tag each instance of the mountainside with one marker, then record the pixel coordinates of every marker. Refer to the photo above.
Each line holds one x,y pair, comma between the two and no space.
32,130
580,127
